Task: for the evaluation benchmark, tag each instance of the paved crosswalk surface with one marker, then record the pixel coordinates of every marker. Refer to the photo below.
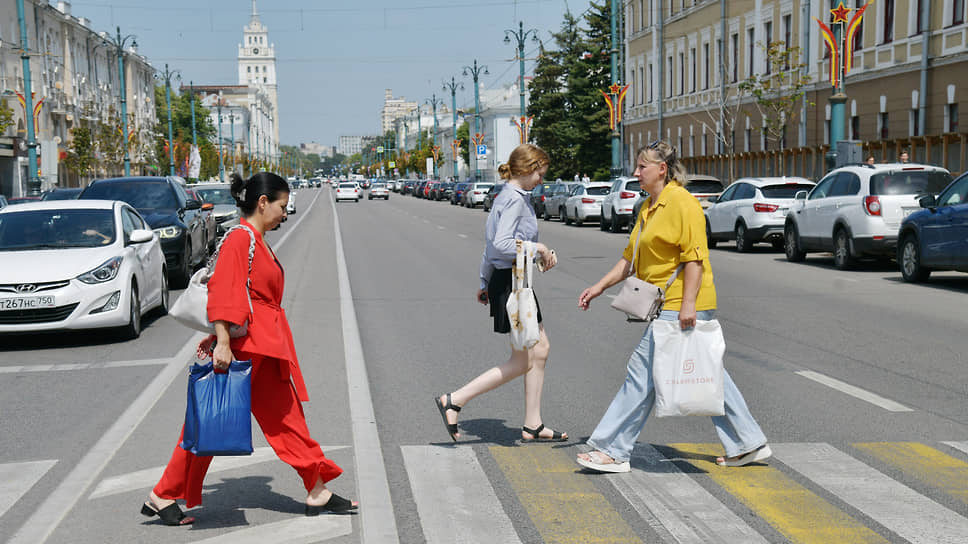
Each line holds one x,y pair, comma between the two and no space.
807,493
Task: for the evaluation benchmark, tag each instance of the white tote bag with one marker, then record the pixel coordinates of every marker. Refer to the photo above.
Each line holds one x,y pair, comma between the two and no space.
521,306
687,369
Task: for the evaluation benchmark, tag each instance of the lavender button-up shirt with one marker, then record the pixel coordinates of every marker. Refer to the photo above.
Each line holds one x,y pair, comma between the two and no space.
512,218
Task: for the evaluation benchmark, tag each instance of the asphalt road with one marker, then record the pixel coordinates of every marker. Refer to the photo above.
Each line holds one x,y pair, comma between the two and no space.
854,372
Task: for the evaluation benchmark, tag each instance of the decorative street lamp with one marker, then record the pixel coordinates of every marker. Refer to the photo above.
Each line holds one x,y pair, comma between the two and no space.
433,102
478,136
167,75
521,36
191,90
119,43
221,161
616,136
235,165
33,180
453,103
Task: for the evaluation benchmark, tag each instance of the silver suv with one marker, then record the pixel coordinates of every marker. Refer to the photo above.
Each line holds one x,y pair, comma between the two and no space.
855,211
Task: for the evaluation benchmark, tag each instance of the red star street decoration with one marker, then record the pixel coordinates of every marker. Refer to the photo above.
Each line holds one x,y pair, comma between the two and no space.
523,126
840,13
614,99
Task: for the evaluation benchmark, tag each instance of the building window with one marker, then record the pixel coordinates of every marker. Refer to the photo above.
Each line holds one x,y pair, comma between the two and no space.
751,50
855,127
641,14
768,30
682,73
915,118
669,72
952,117
787,38
888,29
248,69
859,33
735,39
692,55
649,86
705,66
957,12
919,28
883,125
749,138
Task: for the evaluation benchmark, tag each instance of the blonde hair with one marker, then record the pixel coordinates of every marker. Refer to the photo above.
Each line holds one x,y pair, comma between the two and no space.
525,159
660,151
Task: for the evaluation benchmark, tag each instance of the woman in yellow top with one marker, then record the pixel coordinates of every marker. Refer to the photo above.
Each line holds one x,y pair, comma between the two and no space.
674,233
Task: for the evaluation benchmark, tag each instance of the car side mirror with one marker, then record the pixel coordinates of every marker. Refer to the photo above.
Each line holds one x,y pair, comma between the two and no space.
801,195
192,204
140,236
928,201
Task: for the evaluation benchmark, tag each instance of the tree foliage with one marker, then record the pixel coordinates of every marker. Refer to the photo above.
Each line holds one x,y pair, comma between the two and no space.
778,92
6,116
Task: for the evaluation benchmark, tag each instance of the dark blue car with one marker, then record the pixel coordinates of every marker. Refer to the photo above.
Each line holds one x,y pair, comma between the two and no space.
936,238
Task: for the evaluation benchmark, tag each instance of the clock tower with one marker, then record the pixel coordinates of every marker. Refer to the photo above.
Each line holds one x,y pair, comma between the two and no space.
257,64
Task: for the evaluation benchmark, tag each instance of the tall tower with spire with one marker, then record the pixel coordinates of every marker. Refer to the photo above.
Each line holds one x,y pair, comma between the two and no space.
257,64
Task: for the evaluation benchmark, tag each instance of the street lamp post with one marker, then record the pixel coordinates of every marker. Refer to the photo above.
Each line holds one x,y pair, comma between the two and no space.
167,75
221,161
476,71
119,43
235,165
453,85
616,135
521,35
33,180
433,103
191,89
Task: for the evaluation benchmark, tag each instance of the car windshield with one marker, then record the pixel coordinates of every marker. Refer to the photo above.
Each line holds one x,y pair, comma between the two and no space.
786,190
218,195
704,186
56,229
61,194
597,191
632,186
909,182
141,195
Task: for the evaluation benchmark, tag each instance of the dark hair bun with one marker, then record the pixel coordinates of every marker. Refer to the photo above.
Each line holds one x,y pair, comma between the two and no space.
236,188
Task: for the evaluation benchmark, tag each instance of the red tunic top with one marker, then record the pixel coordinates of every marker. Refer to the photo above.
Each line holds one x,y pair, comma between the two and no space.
269,333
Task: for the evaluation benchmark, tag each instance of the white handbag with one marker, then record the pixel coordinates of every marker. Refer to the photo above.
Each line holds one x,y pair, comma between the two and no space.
638,299
687,368
191,308
521,306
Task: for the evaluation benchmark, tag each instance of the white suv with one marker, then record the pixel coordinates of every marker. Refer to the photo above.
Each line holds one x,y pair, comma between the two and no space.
855,211
753,210
618,204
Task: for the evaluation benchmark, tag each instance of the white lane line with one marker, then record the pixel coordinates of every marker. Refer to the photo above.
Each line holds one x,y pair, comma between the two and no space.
455,500
854,391
842,278
960,446
377,522
462,236
17,478
441,227
45,519
301,530
668,498
144,479
426,220
897,507
81,366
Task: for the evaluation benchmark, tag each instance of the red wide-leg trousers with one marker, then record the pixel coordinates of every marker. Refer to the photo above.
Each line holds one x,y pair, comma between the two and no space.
280,415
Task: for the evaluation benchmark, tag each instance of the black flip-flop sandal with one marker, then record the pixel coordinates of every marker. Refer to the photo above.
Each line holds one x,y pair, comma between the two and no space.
451,427
536,433
170,515
335,505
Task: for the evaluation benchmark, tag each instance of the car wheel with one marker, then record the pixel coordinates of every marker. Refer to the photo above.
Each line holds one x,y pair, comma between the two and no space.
743,242
601,222
909,259
133,329
386,197
613,225
843,257
369,197
564,216
547,214
184,273
710,241
165,296
791,244
578,220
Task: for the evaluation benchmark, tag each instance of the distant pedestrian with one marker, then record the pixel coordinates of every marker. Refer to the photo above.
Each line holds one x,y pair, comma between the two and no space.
512,219
577,177
904,157
585,178
870,160
674,235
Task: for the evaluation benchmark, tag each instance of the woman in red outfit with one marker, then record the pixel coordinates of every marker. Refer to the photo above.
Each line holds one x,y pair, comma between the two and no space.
277,382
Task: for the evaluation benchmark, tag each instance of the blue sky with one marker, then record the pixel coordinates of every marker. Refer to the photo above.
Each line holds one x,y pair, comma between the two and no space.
335,60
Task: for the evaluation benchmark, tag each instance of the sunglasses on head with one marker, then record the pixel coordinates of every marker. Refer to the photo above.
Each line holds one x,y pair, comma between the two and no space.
672,156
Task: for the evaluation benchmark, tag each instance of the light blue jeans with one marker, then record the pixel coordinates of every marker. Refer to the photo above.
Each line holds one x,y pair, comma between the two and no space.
619,428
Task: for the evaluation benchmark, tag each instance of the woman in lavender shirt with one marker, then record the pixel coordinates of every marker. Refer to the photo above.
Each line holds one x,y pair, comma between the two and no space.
511,219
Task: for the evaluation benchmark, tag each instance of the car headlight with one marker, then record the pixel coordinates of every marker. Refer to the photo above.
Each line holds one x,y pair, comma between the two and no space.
169,232
103,273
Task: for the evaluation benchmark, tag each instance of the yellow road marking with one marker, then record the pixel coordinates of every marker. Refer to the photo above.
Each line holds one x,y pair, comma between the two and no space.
562,502
924,463
793,510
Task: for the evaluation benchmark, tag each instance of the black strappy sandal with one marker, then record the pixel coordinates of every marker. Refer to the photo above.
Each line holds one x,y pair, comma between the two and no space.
335,505
451,427
536,433
170,515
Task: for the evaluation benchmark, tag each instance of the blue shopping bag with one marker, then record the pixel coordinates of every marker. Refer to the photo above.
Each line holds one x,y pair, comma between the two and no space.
218,418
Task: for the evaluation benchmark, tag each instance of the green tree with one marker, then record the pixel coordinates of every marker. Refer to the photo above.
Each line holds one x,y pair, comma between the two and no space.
464,135
588,77
6,116
81,158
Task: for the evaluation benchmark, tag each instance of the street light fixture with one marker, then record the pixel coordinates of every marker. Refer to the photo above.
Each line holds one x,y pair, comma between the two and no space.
167,75
33,180
433,103
521,36
221,161
453,103
476,71
119,43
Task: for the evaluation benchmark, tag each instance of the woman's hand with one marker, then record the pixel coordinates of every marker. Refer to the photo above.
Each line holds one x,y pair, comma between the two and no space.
548,257
482,296
687,315
222,354
586,296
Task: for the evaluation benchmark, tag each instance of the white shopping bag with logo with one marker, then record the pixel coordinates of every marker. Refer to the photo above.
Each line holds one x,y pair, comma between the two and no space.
687,369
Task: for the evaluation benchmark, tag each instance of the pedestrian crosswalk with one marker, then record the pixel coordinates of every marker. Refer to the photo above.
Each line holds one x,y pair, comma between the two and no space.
866,492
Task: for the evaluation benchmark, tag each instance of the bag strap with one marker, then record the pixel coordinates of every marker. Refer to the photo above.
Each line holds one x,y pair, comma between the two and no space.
523,263
248,277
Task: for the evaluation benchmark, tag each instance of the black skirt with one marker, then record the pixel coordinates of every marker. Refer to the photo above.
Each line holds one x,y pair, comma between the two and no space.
498,291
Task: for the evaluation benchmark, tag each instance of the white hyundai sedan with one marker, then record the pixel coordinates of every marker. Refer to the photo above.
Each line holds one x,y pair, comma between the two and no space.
78,264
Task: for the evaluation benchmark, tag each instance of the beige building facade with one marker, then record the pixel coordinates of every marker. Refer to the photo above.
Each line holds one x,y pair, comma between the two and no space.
683,56
393,109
